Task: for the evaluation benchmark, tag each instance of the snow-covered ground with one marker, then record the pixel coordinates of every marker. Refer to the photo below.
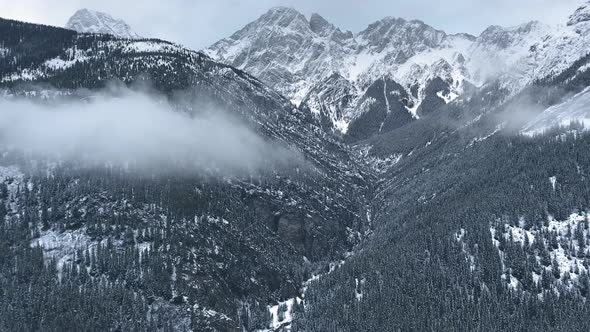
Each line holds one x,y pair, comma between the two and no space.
380,165
25,75
568,261
282,313
150,47
469,258
74,56
62,246
4,52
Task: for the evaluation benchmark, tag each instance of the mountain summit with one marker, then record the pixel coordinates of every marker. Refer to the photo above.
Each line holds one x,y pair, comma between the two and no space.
90,21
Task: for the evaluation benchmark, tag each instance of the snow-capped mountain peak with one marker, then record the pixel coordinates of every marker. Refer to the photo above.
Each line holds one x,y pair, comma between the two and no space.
283,17
503,38
320,25
407,36
90,21
300,56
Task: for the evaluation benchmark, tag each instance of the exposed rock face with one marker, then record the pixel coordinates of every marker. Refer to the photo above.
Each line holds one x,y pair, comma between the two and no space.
322,27
437,91
329,101
404,38
285,48
383,107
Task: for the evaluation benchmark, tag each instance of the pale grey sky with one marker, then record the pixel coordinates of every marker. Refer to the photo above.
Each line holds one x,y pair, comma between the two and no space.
199,23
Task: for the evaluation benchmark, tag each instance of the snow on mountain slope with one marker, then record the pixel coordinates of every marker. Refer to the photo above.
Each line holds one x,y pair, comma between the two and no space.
89,21
74,55
506,52
283,49
392,46
562,260
522,54
298,56
329,98
575,109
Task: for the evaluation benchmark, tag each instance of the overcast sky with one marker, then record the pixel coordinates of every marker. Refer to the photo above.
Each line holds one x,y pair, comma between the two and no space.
199,23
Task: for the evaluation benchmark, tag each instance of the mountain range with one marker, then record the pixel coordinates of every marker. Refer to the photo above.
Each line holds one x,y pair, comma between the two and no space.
315,64
330,72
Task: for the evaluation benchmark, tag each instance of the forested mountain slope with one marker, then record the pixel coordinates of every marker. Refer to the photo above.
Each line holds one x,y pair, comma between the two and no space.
111,249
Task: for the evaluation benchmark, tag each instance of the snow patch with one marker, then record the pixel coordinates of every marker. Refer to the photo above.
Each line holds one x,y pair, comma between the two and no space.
24,75
149,47
62,246
73,55
562,238
282,313
483,138
448,98
469,258
378,164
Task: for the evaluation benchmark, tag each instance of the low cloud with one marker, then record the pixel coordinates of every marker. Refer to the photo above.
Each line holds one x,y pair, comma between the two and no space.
135,129
519,112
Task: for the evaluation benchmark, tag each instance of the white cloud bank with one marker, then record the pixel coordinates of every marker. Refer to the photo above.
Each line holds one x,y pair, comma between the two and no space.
139,130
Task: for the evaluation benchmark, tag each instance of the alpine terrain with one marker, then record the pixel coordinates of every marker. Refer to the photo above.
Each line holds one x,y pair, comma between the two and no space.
295,177
90,21
341,75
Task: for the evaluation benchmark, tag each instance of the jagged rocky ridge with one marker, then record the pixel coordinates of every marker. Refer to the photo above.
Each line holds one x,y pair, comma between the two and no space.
302,58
